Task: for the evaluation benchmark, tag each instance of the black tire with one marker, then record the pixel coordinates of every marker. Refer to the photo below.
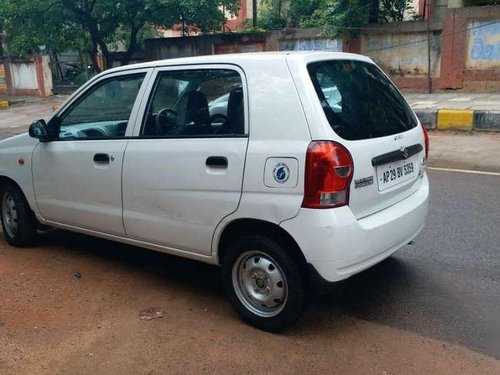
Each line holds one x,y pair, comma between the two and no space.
25,223
245,249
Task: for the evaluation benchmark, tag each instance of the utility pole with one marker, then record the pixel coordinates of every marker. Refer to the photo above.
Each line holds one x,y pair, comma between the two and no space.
254,12
427,14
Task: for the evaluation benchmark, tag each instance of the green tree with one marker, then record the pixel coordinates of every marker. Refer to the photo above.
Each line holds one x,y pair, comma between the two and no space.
395,10
30,25
272,14
94,24
336,16
340,16
301,12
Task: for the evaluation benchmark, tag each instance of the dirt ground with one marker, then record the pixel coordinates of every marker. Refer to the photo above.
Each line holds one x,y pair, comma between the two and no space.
52,321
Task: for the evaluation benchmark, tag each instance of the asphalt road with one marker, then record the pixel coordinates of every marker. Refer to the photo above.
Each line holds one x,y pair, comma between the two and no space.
447,284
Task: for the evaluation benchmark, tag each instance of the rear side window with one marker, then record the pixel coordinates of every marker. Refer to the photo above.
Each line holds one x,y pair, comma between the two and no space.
359,101
196,103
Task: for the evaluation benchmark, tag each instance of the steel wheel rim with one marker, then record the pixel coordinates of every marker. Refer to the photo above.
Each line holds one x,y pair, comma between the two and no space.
9,214
260,284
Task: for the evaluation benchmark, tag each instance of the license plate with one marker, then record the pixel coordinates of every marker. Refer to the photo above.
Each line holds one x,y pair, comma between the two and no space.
392,174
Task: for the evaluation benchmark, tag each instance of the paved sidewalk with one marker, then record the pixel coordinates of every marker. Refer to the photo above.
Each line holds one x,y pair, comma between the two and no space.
24,110
455,100
457,110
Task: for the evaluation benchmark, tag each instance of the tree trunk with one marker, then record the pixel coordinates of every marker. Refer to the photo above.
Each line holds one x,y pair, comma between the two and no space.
58,65
132,45
374,11
85,16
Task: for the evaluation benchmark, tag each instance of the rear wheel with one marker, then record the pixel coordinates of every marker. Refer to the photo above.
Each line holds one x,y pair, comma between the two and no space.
263,283
18,221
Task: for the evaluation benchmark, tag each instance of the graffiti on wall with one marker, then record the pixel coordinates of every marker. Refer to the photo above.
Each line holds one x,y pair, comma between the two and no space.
484,45
309,44
3,80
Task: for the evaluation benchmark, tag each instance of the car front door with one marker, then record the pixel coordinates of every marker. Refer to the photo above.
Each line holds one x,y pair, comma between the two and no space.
183,171
77,175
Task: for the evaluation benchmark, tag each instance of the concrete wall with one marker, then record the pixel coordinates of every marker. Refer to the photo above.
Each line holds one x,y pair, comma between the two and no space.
26,77
23,75
308,44
465,50
48,84
302,40
167,48
289,40
404,54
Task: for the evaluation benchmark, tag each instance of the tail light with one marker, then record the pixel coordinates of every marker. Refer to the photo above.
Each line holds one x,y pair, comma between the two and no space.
426,139
329,170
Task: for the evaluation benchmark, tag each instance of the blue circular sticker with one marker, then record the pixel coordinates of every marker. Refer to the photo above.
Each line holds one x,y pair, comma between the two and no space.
281,173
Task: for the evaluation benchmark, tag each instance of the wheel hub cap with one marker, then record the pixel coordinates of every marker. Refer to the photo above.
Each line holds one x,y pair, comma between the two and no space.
260,283
9,214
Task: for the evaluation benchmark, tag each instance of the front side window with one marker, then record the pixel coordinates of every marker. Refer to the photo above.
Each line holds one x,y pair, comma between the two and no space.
196,103
359,101
104,111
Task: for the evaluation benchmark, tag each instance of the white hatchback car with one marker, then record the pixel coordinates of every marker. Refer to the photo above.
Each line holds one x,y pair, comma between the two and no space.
292,186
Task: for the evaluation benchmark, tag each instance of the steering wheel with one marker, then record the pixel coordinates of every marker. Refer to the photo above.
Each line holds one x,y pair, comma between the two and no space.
166,119
92,133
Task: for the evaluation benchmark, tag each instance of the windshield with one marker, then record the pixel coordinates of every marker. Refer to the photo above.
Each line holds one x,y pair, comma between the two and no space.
359,101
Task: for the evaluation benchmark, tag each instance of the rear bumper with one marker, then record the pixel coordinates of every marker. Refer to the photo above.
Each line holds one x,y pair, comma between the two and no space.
337,245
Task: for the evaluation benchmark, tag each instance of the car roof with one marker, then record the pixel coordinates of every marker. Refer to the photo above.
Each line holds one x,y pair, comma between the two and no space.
245,58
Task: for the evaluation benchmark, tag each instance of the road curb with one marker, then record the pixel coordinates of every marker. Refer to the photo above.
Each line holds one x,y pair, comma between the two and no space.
427,118
4,104
487,120
459,119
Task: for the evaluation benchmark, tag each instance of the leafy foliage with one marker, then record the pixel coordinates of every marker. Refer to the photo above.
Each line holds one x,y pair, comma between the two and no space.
89,25
472,3
341,15
335,16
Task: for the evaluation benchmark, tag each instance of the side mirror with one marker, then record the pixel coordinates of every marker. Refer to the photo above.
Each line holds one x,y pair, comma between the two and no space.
38,129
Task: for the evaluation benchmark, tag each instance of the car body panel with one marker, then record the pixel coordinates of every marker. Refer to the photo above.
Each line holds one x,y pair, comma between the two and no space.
172,198
343,245
72,189
16,163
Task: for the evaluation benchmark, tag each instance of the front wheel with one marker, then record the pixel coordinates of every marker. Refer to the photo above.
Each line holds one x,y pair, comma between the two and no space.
18,221
263,283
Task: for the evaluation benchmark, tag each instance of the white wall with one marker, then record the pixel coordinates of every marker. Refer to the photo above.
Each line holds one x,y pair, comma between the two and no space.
24,75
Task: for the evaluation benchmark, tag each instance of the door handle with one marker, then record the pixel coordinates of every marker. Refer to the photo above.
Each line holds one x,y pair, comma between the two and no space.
101,158
217,162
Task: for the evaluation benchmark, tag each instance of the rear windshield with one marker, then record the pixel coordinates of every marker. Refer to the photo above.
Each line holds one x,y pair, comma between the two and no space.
359,101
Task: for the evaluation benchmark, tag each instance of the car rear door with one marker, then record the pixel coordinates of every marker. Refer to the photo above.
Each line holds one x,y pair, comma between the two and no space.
183,171
372,120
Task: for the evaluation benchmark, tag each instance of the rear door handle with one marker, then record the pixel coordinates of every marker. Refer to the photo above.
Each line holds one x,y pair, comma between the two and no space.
101,158
217,162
